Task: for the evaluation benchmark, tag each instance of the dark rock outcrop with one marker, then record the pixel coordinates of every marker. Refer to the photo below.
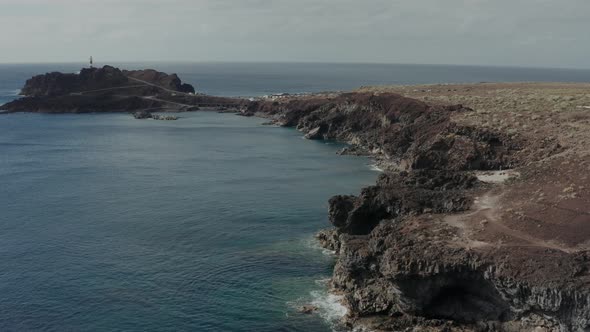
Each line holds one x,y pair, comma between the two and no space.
168,81
140,115
401,194
403,130
403,272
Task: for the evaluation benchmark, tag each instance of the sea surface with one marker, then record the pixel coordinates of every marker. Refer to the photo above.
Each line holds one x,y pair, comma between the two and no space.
108,223
202,224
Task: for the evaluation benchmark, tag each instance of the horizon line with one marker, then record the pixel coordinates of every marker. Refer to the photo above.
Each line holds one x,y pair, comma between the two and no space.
295,62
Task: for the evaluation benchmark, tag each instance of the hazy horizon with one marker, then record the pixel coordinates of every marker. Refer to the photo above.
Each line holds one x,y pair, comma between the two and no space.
515,33
148,62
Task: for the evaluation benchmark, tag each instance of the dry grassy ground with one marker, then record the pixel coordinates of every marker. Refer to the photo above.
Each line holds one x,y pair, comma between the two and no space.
535,110
544,210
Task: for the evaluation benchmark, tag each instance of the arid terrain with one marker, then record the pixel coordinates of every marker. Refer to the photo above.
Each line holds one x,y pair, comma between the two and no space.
546,202
481,220
532,221
545,110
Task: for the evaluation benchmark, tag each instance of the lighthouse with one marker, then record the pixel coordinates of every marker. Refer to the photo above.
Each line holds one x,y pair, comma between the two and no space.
91,62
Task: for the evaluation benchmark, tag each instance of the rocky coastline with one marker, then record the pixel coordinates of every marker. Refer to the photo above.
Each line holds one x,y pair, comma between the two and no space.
435,245
479,222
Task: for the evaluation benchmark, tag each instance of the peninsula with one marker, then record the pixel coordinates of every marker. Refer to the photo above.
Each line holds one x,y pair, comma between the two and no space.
109,89
480,220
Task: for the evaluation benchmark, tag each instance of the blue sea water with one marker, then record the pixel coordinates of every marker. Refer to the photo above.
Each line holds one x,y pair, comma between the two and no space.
201,224
108,223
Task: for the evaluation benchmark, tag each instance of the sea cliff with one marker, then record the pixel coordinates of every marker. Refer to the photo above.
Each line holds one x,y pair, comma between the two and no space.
471,227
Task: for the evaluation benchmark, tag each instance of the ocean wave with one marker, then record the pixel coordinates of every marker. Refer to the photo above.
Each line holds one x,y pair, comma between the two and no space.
330,307
313,243
9,93
375,168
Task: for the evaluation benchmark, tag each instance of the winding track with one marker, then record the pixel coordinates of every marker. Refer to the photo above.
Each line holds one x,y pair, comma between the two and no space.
487,207
157,86
146,83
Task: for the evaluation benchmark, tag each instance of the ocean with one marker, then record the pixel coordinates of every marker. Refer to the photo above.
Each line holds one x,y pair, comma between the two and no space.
202,224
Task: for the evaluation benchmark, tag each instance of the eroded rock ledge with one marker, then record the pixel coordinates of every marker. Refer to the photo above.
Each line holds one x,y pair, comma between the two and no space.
430,247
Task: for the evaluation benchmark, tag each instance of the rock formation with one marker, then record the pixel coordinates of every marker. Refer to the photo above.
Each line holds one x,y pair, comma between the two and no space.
171,82
89,79
141,115
109,89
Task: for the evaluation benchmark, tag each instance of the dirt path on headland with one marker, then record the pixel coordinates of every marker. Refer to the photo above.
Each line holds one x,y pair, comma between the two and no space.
174,92
548,205
488,211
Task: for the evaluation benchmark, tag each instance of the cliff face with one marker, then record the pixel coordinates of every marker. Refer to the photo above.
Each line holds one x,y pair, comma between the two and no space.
430,246
402,130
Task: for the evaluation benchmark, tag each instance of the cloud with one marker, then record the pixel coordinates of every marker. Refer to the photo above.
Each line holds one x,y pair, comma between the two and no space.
500,32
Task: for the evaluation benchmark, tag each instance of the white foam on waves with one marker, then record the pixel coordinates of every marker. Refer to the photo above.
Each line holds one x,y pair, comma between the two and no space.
375,168
330,306
313,243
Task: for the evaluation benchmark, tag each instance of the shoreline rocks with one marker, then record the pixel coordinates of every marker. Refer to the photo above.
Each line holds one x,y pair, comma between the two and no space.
308,309
143,114
164,117
140,115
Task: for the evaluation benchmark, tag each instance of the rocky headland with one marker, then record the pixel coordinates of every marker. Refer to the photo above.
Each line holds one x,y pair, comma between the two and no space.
479,222
110,89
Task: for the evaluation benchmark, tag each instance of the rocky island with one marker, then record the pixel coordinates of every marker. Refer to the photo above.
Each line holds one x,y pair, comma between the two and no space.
110,89
479,222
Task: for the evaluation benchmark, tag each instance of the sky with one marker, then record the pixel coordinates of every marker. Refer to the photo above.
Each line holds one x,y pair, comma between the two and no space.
539,33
